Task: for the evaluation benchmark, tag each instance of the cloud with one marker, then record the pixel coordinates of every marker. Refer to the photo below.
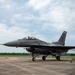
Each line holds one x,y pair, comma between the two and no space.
55,14
2,1
59,15
5,4
10,34
38,4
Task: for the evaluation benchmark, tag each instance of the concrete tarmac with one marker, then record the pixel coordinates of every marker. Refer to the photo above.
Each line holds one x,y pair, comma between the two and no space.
25,66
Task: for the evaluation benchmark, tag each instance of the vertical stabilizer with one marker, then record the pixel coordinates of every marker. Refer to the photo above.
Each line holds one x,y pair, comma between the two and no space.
62,39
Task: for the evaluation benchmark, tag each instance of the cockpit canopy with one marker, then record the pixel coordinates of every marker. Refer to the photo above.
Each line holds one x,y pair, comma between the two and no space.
29,38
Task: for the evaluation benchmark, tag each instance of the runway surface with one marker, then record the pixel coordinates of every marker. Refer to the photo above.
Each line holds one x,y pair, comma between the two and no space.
25,66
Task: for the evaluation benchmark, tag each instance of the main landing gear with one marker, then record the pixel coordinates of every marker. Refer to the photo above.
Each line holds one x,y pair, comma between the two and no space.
44,58
58,57
34,56
33,59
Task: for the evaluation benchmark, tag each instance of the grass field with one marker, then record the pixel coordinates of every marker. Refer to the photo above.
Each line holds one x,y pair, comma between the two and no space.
68,57
29,55
15,54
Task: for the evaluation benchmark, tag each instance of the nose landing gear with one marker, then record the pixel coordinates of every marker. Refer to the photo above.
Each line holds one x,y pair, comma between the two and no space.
33,57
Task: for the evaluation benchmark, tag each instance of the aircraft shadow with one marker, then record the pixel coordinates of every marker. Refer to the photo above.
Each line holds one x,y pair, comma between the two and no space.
51,60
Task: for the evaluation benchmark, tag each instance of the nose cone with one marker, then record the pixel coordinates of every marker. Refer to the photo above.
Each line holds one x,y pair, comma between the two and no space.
13,44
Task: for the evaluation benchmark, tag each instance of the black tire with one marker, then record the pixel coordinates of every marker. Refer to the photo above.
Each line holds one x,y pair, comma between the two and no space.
58,58
44,58
33,59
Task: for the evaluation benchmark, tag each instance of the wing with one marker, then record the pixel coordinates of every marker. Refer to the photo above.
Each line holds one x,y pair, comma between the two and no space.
56,47
63,47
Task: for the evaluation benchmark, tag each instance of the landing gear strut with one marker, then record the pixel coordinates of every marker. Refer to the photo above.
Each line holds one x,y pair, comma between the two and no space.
33,57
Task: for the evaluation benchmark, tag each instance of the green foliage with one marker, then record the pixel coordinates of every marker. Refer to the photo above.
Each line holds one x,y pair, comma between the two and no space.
28,54
68,54
14,54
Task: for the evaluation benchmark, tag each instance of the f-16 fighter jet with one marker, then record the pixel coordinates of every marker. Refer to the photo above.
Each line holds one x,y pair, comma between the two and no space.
36,46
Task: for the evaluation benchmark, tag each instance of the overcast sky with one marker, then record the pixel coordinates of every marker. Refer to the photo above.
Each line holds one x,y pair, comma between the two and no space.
44,19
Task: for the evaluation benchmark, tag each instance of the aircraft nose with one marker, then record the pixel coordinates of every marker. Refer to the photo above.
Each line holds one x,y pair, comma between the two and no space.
13,44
